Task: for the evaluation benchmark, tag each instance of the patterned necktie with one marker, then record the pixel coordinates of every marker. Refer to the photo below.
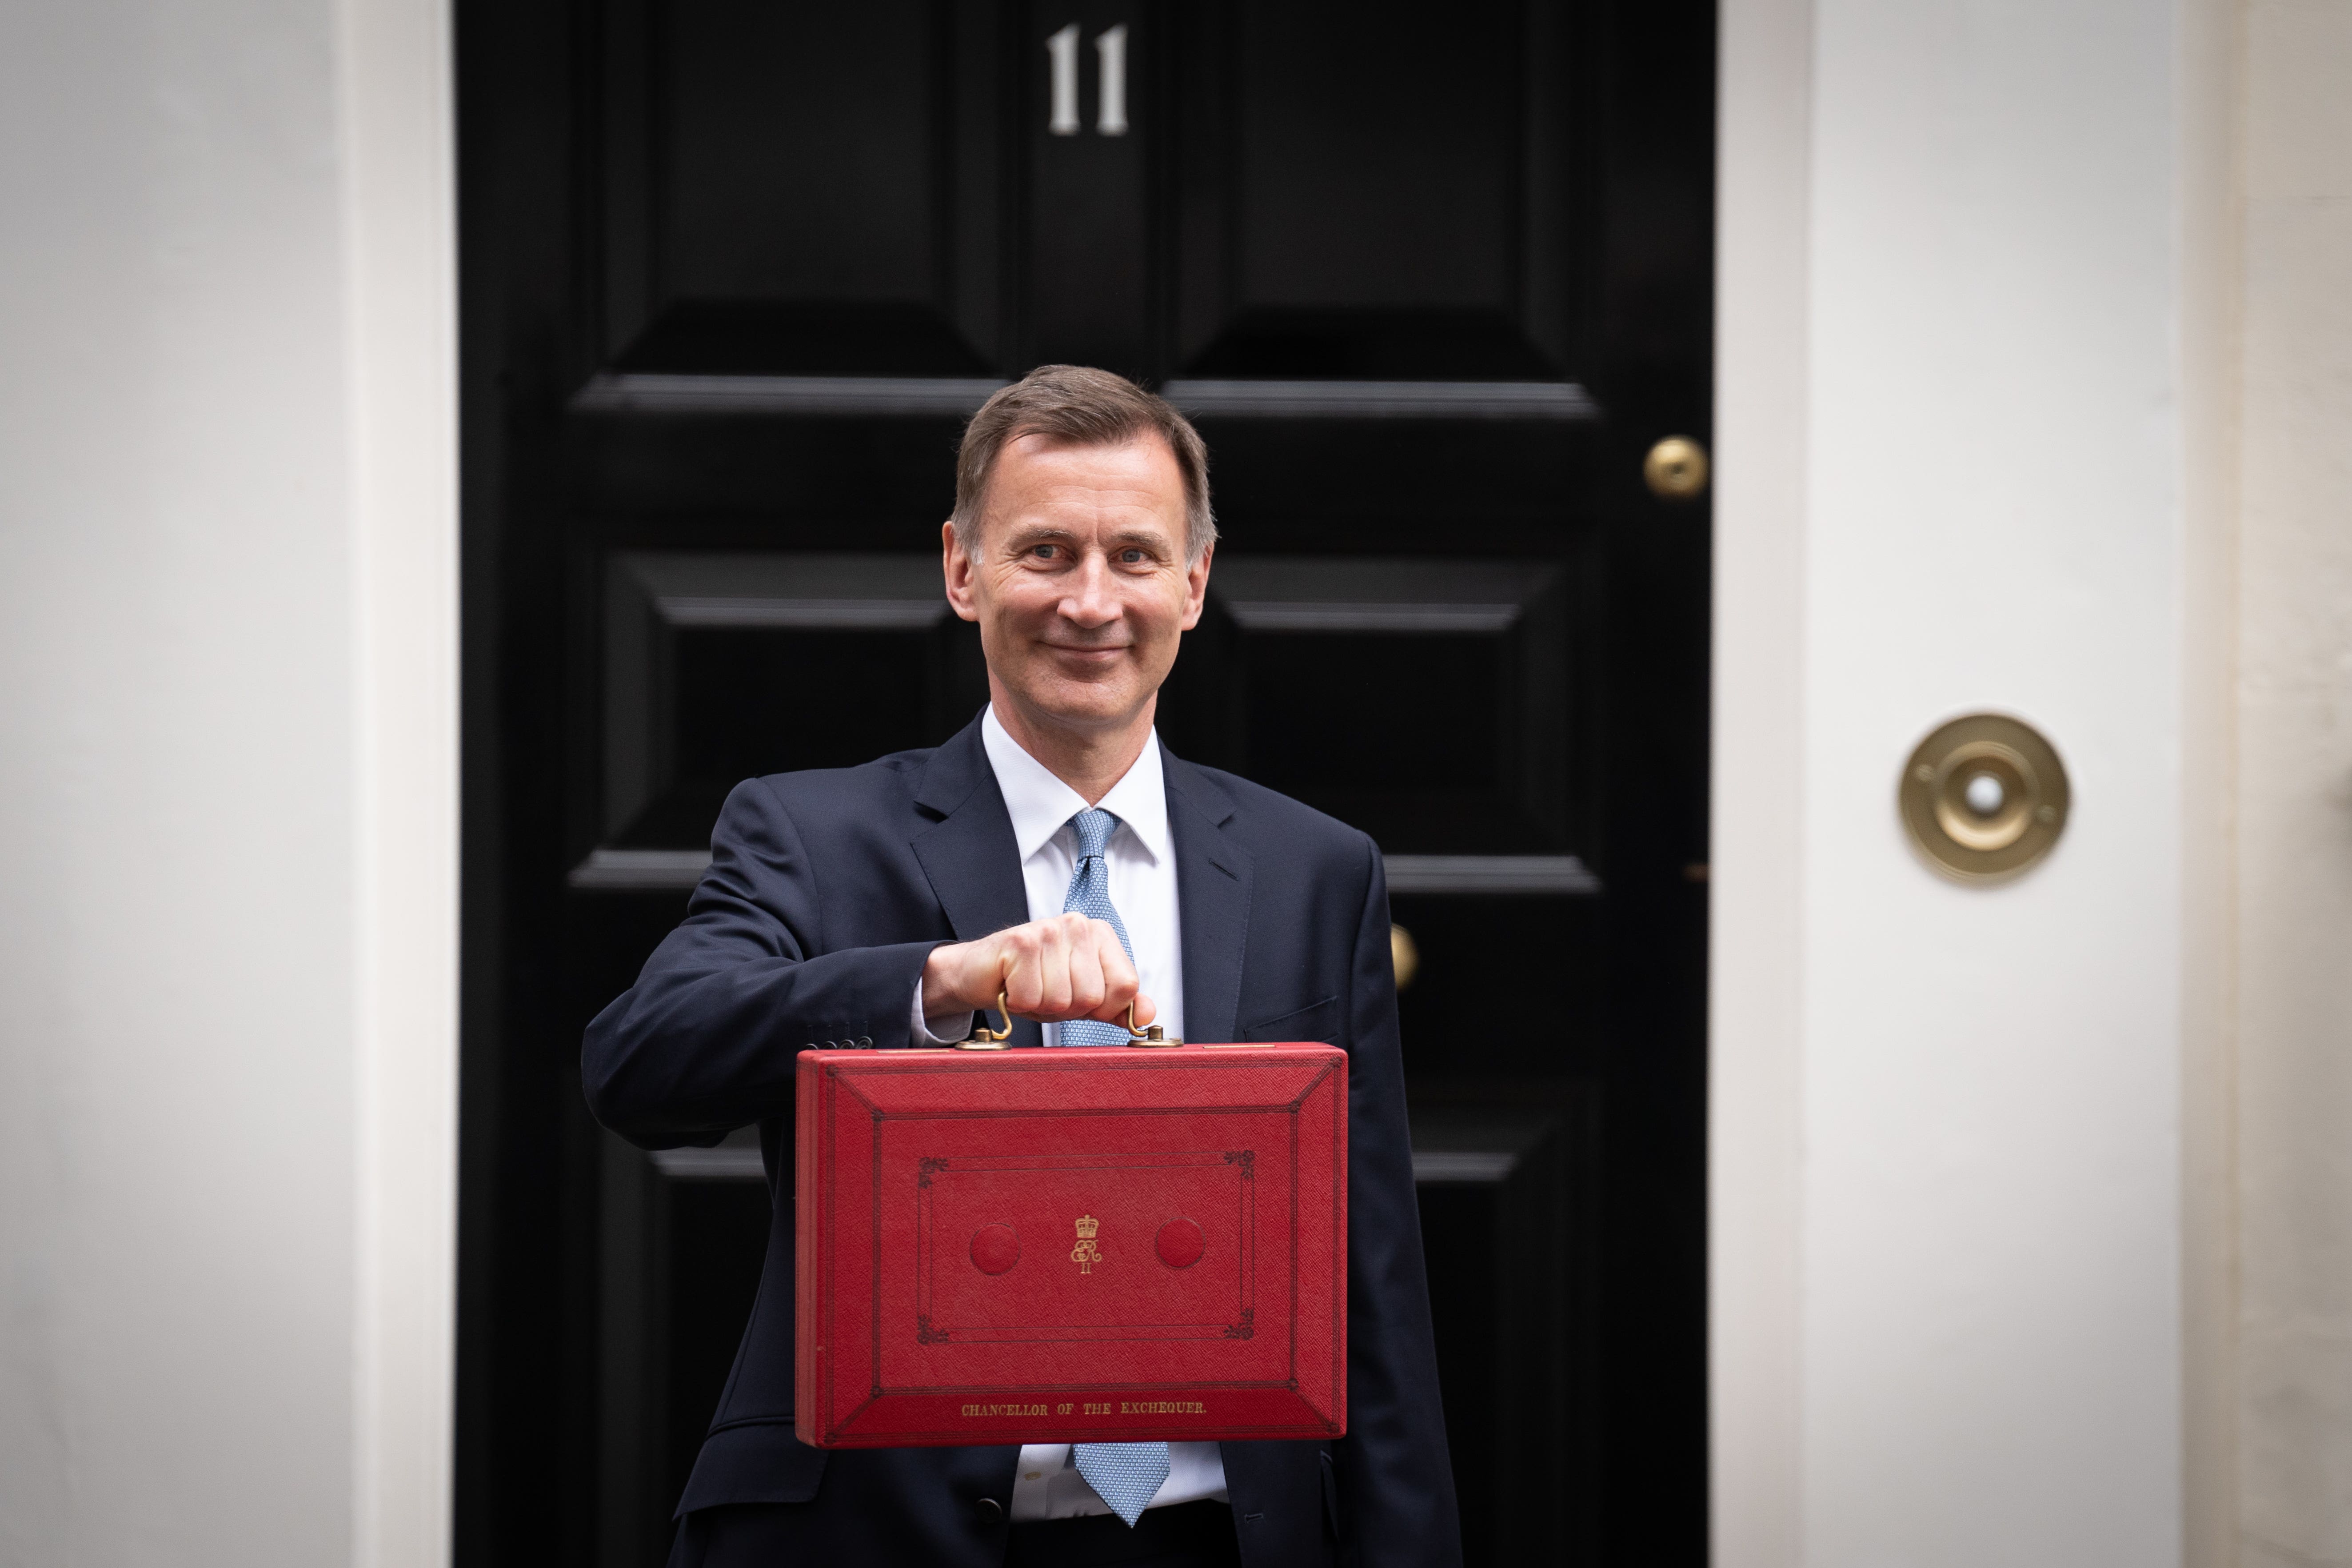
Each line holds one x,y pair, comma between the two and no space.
1089,895
1125,1475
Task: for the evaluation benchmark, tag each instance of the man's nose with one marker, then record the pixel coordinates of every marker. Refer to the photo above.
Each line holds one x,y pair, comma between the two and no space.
1093,599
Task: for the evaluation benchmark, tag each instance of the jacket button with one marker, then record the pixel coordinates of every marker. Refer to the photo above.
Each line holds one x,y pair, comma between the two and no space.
989,1509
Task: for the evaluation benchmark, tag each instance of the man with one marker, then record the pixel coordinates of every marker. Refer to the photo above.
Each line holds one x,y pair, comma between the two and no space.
1053,851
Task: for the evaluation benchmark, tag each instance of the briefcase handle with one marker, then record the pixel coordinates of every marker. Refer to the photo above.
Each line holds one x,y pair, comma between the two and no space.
984,1038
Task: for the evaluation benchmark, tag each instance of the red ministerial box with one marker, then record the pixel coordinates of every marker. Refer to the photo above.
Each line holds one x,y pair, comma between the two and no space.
1072,1245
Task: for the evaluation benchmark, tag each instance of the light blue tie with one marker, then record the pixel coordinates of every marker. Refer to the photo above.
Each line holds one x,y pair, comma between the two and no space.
1089,895
1127,1476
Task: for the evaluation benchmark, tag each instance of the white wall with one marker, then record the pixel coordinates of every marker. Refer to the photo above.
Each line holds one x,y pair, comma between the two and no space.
2031,1205
2290,1007
226,782
1947,1161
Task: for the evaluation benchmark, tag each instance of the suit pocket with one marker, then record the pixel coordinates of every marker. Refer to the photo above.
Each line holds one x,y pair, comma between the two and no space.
1316,1021
753,1461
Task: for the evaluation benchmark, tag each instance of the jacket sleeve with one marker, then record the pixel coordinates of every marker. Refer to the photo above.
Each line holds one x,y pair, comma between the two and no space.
1395,1479
705,1040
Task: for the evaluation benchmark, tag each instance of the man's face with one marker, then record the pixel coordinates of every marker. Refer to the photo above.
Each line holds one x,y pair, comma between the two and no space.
1080,588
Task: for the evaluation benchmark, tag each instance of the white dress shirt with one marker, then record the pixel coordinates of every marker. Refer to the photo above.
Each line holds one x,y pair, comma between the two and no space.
1141,859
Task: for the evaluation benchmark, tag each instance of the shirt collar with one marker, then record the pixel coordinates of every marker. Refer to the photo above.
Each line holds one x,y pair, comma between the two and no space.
1041,804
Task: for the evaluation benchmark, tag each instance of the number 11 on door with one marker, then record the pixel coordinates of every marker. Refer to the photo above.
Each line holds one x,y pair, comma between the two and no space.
1110,52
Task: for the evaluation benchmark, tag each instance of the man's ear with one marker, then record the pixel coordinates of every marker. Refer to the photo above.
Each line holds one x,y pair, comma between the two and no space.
1196,588
957,568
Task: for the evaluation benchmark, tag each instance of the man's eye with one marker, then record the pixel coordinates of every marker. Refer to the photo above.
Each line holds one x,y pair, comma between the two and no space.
1131,557
1043,552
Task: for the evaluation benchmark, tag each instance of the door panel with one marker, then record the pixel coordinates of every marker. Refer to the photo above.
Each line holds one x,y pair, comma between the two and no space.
1381,194
801,190
1475,651
800,151
682,1255
736,272
723,667
1512,1319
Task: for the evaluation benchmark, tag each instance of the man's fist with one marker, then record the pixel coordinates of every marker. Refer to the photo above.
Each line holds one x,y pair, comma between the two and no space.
1055,970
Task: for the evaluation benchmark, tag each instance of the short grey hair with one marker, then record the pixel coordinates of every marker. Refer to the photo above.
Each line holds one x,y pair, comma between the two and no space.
1083,407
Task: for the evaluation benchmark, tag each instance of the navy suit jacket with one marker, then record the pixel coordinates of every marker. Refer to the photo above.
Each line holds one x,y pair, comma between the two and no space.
827,892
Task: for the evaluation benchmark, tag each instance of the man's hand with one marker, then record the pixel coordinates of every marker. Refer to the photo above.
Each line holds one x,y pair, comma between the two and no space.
1058,968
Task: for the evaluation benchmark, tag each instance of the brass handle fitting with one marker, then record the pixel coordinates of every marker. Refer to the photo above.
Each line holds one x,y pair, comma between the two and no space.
1152,1039
984,1038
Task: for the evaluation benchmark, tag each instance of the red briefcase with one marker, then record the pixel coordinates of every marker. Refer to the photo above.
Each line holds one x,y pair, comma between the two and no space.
1072,1245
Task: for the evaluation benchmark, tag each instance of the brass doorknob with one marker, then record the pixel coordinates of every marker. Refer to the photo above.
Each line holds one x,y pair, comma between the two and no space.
1984,797
1404,957
1676,468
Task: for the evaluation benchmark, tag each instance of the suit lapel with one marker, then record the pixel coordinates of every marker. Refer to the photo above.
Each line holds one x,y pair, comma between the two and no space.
970,856
1212,891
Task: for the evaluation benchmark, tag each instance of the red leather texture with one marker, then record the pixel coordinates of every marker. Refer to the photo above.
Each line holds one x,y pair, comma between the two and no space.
1071,1245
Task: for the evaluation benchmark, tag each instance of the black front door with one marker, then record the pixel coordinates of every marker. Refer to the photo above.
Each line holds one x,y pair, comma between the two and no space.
1431,282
